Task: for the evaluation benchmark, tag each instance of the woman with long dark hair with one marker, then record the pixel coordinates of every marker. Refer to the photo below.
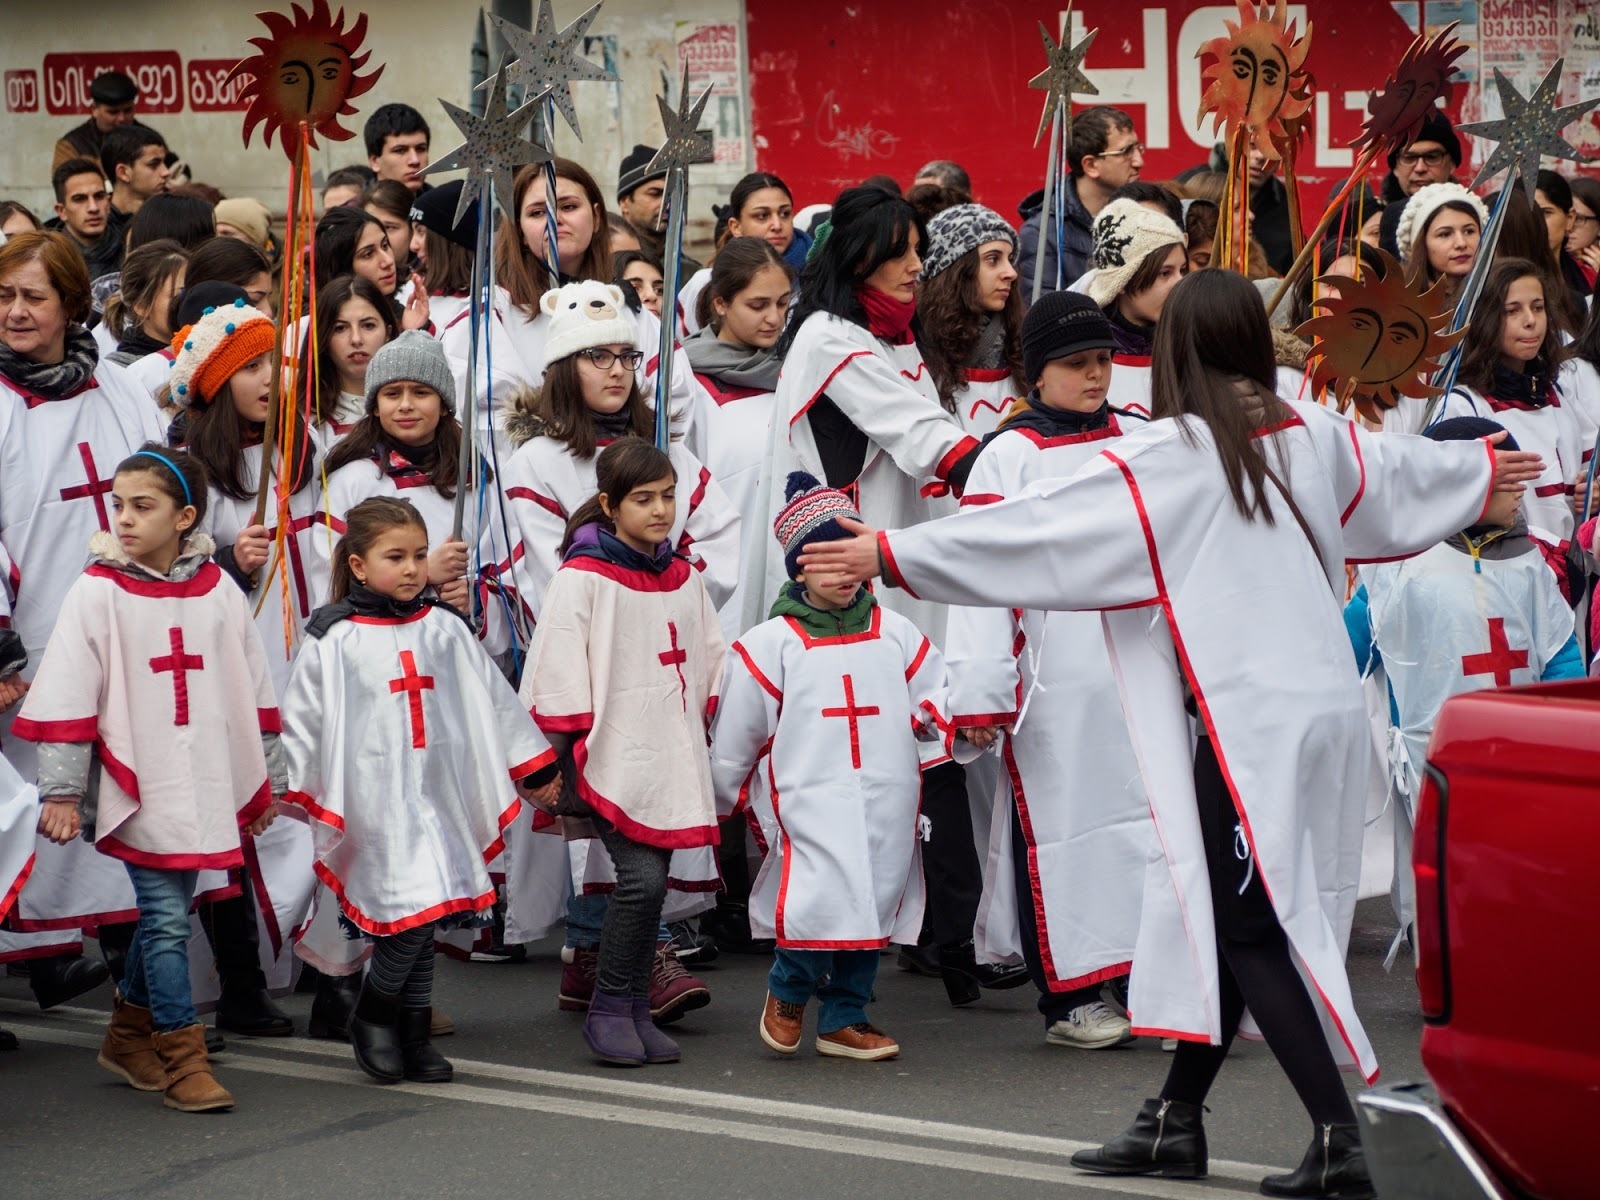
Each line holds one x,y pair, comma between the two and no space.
351,241
354,319
760,206
1214,540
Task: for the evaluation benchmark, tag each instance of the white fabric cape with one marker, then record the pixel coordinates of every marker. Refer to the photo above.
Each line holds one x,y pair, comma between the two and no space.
985,399
1245,614
739,436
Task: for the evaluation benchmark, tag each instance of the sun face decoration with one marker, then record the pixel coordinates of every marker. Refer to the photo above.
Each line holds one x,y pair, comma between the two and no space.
1257,78
1378,339
1422,80
305,72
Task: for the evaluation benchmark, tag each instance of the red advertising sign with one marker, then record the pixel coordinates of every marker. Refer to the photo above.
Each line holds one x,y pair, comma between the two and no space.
157,73
22,91
208,88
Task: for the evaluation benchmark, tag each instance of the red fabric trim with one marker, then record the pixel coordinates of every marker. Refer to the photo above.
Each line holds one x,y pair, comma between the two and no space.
220,861
811,641
76,729
890,567
984,720
271,720
1361,489
412,619
34,952
865,944
123,916
832,375
756,673
258,885
1111,430
727,395
956,453
204,580
33,399
504,821
15,890
579,723
988,374
386,928
1289,422
412,684
1131,360
119,771
1550,489
1156,1031
522,770
916,663
316,810
543,501
670,580
1489,495
975,499
666,839
783,849
921,367
1035,888
259,803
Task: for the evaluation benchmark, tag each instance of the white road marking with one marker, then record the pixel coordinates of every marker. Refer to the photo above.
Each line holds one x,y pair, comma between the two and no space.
257,1058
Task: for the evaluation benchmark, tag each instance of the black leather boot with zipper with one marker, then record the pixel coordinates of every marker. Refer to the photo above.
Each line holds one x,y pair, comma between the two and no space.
1333,1167
1166,1138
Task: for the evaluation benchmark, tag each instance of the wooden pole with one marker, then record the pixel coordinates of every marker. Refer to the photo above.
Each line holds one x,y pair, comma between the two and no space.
1314,239
269,432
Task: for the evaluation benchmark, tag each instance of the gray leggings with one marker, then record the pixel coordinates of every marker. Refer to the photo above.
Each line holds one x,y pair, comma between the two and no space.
628,936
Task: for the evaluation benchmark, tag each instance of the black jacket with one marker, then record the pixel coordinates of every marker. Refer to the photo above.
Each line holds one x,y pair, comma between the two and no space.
1074,258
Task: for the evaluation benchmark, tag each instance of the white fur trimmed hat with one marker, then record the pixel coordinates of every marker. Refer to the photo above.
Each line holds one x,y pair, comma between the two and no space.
1125,234
1420,208
584,315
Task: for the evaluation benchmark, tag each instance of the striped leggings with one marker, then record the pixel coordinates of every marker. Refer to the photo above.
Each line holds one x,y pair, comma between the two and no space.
402,966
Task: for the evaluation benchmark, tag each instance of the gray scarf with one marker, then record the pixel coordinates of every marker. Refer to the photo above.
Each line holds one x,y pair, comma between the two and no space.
989,351
731,364
54,380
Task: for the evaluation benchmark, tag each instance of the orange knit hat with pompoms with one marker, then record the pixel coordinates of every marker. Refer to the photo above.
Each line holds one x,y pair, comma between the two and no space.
208,353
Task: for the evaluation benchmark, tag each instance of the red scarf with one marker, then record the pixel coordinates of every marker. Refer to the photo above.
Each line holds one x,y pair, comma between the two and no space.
887,318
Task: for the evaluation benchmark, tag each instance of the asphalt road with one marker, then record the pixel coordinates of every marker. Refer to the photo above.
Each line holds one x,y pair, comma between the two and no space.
977,1100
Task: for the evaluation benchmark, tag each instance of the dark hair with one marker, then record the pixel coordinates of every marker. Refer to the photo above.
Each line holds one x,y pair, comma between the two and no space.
953,320
363,526
739,198
1587,344
524,273
165,217
870,227
1200,222
931,199
124,144
739,261
1586,191
394,197
627,258
175,472
9,208
884,183
1301,298
948,174
74,166
626,464
220,260
334,244
1480,352
330,299
391,120
617,223
1142,191
1091,133
1556,189
356,176
1524,234
216,435
1419,270
367,442
449,264
204,192
62,262
559,404
1213,361
145,272
1146,274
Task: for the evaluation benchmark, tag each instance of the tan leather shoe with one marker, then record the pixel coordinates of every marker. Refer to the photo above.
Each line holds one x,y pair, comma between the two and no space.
859,1041
128,1049
191,1086
780,1024
442,1025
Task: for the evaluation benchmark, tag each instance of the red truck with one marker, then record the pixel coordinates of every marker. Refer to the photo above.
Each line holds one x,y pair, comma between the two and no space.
1508,958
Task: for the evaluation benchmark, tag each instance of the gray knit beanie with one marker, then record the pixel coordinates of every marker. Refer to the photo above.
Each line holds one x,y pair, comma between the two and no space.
416,356
960,229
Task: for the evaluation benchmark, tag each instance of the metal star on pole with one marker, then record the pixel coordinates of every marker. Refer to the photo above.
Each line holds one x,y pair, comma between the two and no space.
1530,129
1064,75
685,143
494,148
547,61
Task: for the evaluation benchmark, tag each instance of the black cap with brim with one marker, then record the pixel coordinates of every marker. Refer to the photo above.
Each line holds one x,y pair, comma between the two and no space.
436,210
1059,325
113,87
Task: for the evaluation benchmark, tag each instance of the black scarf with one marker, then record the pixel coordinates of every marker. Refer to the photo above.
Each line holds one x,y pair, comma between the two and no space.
53,380
1131,339
139,343
362,601
401,462
608,427
1055,422
1528,388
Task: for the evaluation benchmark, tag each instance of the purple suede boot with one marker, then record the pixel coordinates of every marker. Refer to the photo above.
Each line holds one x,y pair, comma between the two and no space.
609,1030
658,1047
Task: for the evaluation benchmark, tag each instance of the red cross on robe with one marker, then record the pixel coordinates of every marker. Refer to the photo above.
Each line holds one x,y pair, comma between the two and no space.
853,715
413,685
94,488
675,658
1500,660
180,664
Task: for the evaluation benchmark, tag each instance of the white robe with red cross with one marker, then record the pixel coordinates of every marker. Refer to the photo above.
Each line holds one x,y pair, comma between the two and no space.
739,436
1245,615
1070,768
834,724
404,744
57,463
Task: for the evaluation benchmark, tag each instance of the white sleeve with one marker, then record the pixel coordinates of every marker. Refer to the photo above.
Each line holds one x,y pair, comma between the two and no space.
747,718
537,523
710,539
1401,493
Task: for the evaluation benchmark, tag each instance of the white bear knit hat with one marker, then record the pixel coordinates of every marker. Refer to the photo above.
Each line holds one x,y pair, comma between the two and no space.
1125,234
584,315
1420,208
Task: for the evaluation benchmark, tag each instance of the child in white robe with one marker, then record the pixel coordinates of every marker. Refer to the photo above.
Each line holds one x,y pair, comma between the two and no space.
404,745
624,670
155,672
835,693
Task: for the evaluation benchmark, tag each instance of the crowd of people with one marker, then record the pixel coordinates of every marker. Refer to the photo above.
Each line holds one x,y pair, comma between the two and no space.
1104,716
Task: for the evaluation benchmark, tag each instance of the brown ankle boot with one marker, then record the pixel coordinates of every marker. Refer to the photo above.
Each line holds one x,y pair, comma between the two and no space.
128,1049
191,1086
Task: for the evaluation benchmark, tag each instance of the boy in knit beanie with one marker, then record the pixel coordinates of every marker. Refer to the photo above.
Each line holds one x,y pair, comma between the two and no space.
848,700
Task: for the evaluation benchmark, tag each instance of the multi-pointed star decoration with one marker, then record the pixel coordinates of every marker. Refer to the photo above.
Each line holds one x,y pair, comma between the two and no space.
548,62
1064,75
684,142
494,148
1530,128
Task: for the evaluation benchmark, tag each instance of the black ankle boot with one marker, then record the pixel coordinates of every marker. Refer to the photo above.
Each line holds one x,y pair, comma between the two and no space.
1334,1167
964,975
423,1064
334,1006
66,977
375,1034
251,1011
1166,1138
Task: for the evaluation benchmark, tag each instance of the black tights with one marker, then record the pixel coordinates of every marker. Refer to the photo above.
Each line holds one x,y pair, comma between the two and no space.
1255,970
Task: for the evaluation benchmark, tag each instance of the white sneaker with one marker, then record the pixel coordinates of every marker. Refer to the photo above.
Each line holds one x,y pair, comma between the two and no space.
1090,1027
1170,1045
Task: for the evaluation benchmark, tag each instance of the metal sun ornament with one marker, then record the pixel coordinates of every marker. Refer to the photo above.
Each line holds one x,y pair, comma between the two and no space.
1257,80
1378,338
547,60
1064,76
1421,82
1530,128
493,150
304,73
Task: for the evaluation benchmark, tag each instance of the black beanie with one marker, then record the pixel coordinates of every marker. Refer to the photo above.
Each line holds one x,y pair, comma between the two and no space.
1436,127
436,210
1470,429
635,170
1062,323
213,293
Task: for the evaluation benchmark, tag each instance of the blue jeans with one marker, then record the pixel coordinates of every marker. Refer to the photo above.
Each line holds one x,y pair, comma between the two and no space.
585,917
844,996
157,974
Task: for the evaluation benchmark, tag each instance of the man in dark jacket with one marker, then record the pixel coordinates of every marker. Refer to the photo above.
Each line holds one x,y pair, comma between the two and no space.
83,213
1103,153
640,196
113,99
